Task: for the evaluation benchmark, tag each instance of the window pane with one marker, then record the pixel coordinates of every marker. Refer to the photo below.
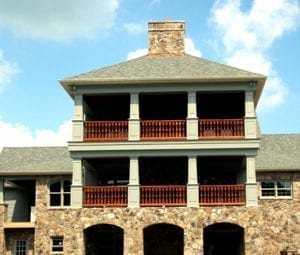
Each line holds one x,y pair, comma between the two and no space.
67,186
267,185
282,184
284,193
55,200
268,193
55,187
67,199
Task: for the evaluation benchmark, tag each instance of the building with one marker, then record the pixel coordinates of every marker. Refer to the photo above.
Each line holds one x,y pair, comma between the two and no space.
166,158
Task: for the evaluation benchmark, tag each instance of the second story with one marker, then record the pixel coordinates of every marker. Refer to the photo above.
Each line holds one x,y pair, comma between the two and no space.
164,96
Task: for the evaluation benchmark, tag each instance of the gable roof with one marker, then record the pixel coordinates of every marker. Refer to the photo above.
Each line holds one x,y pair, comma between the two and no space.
279,152
164,70
35,160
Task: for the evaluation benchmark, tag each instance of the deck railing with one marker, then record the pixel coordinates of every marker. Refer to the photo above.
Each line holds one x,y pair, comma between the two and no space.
95,196
221,128
222,194
105,130
163,195
163,129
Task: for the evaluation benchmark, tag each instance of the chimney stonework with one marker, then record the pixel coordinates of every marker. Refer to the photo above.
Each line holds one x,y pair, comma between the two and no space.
166,38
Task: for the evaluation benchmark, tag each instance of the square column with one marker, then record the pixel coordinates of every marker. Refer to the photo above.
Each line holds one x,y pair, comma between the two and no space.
134,183
192,185
134,118
192,119
250,116
76,188
251,184
77,133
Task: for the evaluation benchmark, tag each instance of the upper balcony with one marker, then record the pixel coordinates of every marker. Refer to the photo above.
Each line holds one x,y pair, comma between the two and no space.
164,116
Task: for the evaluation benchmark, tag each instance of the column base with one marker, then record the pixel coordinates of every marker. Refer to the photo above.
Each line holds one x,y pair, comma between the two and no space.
192,195
133,196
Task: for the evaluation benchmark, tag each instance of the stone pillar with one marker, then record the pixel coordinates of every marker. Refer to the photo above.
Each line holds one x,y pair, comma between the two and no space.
134,119
192,119
251,185
76,188
192,185
77,134
250,125
134,185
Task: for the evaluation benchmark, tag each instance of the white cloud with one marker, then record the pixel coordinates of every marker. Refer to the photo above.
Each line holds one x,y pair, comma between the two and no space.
134,28
136,54
189,48
58,19
7,71
247,36
20,135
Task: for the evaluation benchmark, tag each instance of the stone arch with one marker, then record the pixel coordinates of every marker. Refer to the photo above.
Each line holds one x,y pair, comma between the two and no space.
223,238
104,239
163,239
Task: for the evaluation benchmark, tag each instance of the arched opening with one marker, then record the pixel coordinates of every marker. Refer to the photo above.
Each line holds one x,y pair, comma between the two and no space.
223,238
163,239
103,239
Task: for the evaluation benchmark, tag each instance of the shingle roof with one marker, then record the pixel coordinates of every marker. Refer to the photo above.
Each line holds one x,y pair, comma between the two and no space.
279,152
153,68
35,160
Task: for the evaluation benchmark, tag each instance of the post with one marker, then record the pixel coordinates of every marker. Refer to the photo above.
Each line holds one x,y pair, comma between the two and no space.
134,118
77,134
192,186
76,188
192,119
251,185
250,125
134,185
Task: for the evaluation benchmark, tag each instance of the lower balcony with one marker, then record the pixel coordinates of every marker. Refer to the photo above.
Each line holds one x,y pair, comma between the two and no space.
164,195
222,194
97,196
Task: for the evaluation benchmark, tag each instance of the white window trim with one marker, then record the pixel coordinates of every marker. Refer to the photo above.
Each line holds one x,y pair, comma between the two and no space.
276,190
53,246
15,245
61,193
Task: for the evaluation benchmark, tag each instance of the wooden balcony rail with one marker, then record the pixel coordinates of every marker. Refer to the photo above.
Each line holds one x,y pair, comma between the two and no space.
95,196
168,195
163,129
216,128
222,194
105,130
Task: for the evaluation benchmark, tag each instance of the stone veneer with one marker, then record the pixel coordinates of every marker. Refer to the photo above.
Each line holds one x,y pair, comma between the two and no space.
272,226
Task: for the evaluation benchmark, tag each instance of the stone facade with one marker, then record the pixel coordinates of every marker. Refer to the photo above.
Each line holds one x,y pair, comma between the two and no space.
272,226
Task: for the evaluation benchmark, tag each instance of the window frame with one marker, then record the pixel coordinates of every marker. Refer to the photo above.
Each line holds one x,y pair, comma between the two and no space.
61,193
276,189
53,246
16,250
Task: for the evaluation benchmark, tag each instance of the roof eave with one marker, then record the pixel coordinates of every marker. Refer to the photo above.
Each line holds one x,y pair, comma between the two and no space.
68,83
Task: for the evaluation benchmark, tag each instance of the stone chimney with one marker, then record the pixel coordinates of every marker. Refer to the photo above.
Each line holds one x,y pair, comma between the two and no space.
166,38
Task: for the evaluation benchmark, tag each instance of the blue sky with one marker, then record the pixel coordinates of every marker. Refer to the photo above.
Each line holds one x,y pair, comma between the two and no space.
44,41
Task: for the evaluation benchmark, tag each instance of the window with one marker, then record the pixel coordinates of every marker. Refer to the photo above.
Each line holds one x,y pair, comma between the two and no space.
60,193
276,189
20,247
57,244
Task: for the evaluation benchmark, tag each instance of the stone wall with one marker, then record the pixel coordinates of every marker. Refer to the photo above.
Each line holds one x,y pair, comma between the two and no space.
269,228
166,38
